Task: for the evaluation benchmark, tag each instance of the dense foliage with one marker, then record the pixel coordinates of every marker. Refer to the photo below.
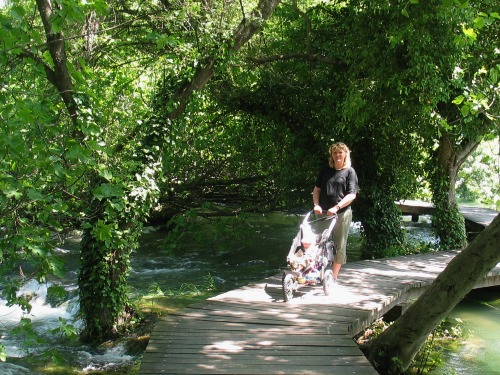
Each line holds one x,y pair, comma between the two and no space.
116,113
479,178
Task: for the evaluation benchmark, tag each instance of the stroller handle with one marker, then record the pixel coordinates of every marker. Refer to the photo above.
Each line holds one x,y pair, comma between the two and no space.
322,216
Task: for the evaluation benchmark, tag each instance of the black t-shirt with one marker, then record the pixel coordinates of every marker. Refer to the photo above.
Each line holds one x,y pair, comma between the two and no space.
335,185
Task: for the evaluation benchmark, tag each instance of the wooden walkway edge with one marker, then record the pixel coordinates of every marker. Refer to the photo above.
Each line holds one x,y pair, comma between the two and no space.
251,330
476,218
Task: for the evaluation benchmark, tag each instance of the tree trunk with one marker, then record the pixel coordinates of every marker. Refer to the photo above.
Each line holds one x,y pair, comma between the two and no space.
449,223
393,351
59,75
451,157
101,273
375,208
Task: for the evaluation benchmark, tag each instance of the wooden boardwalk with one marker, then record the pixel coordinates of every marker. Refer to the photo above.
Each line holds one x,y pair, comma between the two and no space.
251,330
476,218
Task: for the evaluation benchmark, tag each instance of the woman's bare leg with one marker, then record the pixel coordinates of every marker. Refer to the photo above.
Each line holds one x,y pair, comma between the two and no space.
336,270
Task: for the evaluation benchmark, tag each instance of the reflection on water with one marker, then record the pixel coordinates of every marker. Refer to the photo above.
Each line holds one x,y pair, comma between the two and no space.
244,251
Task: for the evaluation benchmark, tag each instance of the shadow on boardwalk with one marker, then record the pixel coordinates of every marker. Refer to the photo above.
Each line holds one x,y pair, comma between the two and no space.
251,330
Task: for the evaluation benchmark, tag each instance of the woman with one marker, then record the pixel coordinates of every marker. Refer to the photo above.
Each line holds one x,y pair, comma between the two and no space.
334,191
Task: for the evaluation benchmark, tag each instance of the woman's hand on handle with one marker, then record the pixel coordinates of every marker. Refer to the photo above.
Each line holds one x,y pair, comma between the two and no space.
317,209
333,211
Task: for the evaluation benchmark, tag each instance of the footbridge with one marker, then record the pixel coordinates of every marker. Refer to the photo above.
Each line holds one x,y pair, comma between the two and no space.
476,218
251,330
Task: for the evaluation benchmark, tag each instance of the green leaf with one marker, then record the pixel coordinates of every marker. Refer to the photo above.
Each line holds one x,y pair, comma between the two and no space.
458,100
76,152
166,40
34,195
39,251
445,125
107,191
101,6
479,23
469,33
57,266
494,75
12,193
105,173
465,110
103,232
17,12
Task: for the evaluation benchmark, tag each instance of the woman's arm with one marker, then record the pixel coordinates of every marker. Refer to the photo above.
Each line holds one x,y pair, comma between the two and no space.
317,207
346,201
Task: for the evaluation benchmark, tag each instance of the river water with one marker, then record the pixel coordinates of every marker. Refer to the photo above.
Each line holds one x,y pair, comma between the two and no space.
232,253
480,352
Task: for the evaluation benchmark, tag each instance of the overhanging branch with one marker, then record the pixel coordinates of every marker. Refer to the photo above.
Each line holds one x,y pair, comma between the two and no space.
295,56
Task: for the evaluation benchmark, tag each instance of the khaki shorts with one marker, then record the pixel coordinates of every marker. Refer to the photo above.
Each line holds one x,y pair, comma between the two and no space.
340,234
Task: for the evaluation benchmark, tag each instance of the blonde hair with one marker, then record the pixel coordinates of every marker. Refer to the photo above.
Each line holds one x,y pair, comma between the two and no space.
342,147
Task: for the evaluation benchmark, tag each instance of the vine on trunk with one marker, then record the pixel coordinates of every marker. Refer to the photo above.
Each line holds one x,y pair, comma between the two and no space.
109,238
447,219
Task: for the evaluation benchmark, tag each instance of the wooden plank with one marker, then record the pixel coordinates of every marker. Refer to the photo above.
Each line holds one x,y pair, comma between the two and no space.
323,323
246,330
306,319
240,360
202,329
164,346
155,369
275,310
477,218
302,322
242,342
412,207
275,349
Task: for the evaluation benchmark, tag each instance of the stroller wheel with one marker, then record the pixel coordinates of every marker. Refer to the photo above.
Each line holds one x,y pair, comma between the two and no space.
288,284
328,282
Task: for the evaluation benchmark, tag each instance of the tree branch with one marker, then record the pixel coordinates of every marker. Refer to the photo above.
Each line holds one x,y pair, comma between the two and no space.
295,56
61,78
247,28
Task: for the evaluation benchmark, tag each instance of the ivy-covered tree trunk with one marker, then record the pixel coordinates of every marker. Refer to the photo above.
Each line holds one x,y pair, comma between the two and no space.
393,350
447,219
375,207
381,223
117,211
104,270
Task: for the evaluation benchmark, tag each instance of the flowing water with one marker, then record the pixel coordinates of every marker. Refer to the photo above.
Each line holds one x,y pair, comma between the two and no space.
260,250
479,354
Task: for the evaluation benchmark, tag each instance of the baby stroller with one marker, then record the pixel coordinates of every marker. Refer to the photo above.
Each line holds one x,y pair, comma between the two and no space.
309,261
